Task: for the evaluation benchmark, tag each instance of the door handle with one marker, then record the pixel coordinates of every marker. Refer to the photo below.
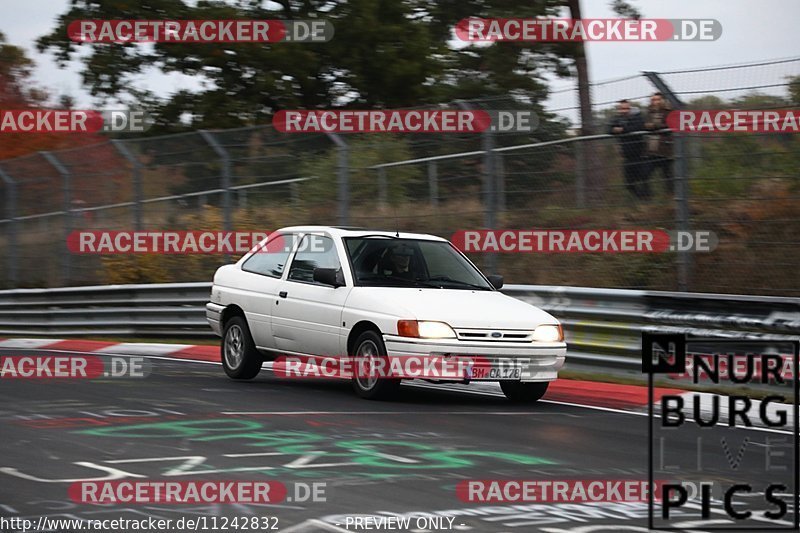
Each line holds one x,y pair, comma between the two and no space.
283,294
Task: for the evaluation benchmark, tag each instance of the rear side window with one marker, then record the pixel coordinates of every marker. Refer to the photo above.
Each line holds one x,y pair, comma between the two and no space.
270,260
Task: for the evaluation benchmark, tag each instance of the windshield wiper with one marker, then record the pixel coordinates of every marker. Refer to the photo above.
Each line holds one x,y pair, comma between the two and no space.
457,281
433,283
407,281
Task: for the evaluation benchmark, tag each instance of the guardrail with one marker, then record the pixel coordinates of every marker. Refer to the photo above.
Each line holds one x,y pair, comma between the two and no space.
158,309
603,326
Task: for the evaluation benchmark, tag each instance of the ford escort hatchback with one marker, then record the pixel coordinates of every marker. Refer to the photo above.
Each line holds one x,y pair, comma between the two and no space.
384,296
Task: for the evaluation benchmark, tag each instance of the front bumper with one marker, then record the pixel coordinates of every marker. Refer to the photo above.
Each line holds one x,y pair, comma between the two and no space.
214,316
538,361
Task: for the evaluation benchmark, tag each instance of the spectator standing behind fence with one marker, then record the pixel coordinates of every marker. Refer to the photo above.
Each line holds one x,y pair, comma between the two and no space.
632,145
659,143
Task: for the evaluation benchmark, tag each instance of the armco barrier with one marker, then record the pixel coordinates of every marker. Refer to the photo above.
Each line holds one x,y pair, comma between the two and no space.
603,326
157,309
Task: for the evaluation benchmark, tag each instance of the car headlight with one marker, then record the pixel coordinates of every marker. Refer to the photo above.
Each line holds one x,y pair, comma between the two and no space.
548,333
425,329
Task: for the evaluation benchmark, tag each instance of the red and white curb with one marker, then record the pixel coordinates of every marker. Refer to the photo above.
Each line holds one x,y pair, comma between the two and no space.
585,393
151,349
590,393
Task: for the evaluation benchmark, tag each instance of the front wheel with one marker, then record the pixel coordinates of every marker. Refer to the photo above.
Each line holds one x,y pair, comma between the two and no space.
370,354
519,392
240,358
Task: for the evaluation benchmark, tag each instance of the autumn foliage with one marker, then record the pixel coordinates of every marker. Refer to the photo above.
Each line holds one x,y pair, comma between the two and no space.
17,91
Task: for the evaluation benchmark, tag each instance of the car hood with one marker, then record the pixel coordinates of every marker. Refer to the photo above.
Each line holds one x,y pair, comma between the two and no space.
459,308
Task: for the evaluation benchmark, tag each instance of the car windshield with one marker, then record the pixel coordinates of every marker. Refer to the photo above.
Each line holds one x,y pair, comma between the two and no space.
395,262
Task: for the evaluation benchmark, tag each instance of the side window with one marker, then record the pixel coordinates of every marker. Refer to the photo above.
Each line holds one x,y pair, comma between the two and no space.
270,261
315,251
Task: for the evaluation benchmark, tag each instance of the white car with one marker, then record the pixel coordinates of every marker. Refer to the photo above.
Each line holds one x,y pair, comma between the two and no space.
331,291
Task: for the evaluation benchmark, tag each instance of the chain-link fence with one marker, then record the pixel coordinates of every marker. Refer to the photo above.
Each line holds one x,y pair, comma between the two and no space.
744,187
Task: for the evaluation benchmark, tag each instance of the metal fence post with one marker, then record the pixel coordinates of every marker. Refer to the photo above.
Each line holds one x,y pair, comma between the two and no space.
382,186
138,195
580,174
225,178
490,203
12,254
342,179
681,171
66,257
488,187
433,184
499,163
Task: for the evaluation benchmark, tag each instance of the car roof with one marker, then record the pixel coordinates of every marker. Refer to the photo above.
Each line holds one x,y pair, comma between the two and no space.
348,231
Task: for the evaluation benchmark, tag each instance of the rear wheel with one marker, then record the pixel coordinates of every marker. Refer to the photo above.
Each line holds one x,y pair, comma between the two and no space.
519,392
370,353
240,359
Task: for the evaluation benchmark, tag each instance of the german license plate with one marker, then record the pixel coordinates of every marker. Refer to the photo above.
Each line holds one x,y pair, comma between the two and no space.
506,371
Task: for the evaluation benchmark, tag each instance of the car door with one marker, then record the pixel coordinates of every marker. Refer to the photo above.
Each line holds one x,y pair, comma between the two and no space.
262,273
307,315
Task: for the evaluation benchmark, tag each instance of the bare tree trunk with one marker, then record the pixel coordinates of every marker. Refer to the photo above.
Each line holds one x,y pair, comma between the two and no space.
594,177
584,97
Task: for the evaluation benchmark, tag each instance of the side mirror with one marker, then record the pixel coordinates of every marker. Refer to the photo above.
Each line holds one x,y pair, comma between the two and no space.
496,281
329,276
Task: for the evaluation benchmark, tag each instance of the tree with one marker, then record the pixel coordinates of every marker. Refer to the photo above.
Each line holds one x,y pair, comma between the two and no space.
381,57
385,53
15,71
17,91
794,90
756,100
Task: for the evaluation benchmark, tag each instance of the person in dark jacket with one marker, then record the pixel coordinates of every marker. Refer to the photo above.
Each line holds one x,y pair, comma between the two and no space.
659,143
632,145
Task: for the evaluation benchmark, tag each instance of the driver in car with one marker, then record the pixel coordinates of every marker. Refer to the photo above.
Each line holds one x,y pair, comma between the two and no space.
400,262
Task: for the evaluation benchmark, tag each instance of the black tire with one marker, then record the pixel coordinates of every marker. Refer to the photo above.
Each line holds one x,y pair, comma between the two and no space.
370,343
519,392
240,359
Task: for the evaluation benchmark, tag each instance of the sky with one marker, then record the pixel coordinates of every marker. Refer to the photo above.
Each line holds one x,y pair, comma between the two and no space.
752,31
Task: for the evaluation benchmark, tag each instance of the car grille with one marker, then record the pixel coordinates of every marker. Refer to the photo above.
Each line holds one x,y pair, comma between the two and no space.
495,335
